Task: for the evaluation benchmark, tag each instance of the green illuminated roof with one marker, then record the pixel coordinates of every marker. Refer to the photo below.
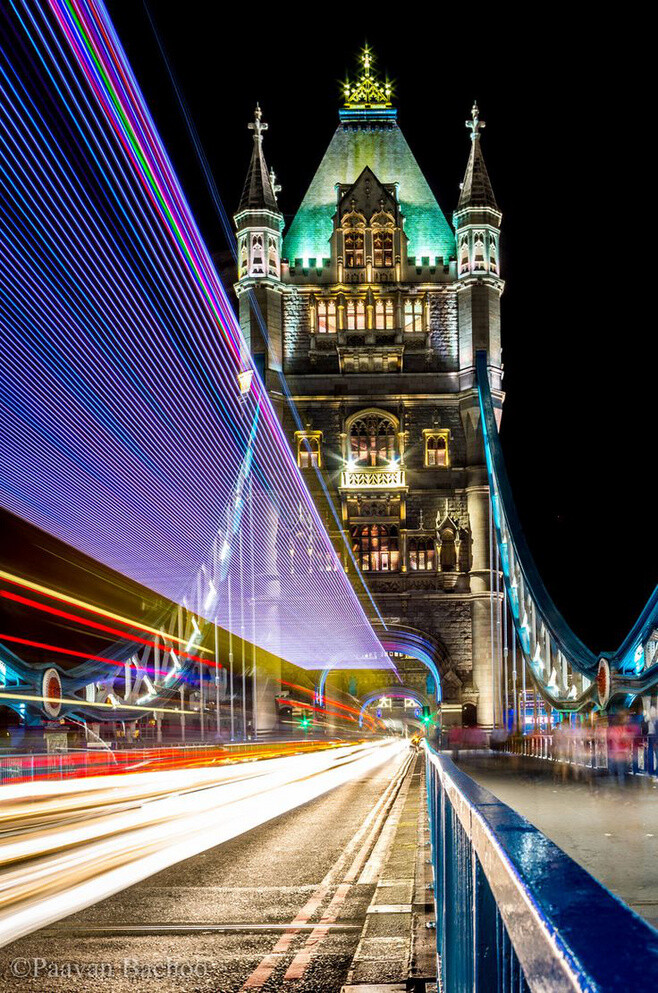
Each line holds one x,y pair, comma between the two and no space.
369,138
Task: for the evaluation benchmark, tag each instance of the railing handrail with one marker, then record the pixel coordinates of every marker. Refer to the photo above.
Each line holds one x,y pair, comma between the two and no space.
567,930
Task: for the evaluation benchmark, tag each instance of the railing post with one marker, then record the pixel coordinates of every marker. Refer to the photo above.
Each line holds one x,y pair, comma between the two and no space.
484,933
458,958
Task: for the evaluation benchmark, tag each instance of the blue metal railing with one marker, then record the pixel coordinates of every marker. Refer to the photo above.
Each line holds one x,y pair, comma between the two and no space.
516,913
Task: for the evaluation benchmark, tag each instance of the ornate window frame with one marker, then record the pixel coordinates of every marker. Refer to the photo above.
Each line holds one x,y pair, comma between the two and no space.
305,452
413,315
429,433
364,414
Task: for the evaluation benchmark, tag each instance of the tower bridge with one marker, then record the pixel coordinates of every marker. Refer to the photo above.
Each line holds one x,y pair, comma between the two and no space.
239,537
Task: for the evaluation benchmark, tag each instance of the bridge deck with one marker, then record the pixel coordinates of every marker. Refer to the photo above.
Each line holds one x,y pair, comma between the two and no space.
611,831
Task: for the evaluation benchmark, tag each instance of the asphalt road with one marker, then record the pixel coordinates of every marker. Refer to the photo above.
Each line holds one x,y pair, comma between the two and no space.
151,937
612,831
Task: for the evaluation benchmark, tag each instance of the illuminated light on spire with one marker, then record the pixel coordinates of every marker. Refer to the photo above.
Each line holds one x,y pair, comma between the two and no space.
475,125
121,356
367,92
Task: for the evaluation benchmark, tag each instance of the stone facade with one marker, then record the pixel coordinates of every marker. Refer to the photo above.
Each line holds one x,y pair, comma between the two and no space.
377,322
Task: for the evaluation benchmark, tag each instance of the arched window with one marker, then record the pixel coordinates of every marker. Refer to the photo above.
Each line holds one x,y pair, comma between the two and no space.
448,555
413,315
382,242
257,254
436,448
355,315
376,547
478,251
493,253
354,249
421,554
326,316
463,253
373,440
308,448
244,256
384,315
272,256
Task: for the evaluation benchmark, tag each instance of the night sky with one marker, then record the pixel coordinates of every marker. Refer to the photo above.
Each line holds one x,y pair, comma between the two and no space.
565,146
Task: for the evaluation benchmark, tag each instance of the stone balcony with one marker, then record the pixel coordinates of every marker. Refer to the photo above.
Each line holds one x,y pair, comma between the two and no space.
369,478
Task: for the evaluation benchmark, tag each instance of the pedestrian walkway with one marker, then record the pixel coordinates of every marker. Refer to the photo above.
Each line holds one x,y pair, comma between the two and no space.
612,831
396,947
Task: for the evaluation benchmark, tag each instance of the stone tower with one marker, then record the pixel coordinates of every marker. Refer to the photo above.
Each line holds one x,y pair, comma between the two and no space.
259,224
374,319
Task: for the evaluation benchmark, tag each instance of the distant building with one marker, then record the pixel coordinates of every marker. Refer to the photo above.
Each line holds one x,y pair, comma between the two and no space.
373,308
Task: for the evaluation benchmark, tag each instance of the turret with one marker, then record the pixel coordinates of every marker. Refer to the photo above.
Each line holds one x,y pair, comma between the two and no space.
259,224
477,228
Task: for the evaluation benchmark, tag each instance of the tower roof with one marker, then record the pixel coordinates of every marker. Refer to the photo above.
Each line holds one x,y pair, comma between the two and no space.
368,135
258,192
476,190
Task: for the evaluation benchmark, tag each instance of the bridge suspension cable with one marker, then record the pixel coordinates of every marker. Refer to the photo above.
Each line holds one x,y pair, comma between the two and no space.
565,671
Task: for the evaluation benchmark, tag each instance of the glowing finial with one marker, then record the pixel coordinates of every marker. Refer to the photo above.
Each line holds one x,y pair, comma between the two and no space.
368,91
475,125
258,125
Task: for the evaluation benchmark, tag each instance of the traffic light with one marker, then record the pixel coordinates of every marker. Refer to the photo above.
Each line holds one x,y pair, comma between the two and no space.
305,722
426,717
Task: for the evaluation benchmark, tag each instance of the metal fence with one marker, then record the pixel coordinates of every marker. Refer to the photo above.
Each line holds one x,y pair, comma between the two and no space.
513,911
586,751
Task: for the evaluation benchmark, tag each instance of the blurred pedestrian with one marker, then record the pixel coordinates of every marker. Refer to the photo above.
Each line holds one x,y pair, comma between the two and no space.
620,742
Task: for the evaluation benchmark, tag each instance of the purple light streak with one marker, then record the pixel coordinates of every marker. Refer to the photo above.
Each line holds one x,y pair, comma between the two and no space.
126,434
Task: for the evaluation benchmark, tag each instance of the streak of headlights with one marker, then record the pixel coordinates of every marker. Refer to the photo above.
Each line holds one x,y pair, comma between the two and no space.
66,845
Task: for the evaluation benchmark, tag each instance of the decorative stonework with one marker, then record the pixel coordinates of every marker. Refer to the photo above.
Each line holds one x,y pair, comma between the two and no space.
373,479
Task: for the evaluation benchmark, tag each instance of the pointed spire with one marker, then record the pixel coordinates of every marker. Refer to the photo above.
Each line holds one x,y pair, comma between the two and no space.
476,190
258,192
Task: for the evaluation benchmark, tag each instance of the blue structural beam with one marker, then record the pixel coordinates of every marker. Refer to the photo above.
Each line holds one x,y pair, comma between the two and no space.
629,672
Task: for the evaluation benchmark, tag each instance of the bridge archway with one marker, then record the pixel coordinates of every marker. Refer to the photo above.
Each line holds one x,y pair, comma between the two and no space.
397,692
405,641
417,645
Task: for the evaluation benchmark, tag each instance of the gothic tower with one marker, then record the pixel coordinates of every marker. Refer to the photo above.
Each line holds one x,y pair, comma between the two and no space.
259,224
373,312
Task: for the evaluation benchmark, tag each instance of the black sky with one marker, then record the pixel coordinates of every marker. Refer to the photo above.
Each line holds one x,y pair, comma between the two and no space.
568,104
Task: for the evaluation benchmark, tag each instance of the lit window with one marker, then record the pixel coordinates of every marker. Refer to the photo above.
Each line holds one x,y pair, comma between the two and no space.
463,254
257,261
384,314
478,251
421,554
383,248
355,314
413,315
493,255
326,316
272,257
373,440
244,256
354,253
308,449
376,547
436,448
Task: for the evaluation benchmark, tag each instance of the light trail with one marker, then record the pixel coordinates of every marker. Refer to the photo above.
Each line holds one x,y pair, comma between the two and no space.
128,435
77,704
126,635
129,827
92,608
